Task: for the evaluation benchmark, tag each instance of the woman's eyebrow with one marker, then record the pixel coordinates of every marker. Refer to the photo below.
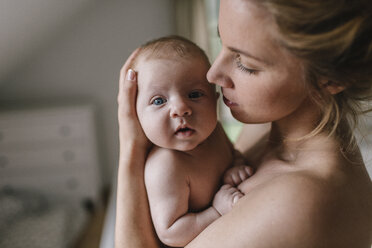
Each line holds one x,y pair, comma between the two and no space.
247,54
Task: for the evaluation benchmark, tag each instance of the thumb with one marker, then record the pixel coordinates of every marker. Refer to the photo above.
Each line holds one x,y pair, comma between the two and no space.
237,197
128,86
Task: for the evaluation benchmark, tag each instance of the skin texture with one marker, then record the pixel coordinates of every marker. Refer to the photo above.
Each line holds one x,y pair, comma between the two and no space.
183,170
304,193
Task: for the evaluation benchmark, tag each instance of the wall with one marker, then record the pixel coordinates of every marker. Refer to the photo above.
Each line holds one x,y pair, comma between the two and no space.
80,63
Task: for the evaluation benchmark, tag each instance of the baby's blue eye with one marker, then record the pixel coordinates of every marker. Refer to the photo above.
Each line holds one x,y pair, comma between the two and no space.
195,94
159,101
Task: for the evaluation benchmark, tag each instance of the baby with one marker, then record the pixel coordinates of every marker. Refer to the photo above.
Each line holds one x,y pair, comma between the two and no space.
176,107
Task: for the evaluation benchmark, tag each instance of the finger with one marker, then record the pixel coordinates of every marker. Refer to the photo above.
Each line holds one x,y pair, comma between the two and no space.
236,197
228,180
124,70
237,193
235,178
243,175
129,61
236,190
127,94
231,190
226,186
249,170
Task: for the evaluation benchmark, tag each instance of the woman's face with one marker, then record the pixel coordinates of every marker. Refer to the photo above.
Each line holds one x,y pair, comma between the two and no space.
260,81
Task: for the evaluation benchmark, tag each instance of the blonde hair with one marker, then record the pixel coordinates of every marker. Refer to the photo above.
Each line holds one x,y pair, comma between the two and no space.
334,40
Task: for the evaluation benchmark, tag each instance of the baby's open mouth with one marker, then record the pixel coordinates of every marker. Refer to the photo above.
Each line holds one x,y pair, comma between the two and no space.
185,132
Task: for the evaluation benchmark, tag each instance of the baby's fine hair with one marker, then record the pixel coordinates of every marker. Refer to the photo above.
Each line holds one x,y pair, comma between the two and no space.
171,47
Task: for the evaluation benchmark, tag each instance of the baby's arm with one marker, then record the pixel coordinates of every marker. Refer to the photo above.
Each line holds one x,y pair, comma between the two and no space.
229,194
168,191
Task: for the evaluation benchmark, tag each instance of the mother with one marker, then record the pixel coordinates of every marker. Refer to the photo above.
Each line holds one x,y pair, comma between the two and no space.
303,65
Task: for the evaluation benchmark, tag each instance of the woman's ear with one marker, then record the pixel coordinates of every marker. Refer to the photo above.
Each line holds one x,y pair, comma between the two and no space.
333,88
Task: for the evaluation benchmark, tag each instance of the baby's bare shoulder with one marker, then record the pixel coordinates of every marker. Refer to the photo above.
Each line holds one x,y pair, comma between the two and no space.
159,154
161,163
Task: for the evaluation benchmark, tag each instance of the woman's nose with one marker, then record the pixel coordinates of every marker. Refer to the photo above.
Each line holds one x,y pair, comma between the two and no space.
180,109
218,75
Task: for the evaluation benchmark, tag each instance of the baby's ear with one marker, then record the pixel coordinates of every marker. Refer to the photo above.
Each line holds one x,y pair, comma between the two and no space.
332,87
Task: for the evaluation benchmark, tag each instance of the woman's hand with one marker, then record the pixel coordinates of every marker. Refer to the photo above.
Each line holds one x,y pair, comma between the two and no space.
131,134
133,221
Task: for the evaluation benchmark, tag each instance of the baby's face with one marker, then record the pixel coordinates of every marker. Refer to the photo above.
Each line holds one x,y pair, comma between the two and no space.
176,105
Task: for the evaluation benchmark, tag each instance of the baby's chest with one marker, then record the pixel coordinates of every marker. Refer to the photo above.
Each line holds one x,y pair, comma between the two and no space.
204,181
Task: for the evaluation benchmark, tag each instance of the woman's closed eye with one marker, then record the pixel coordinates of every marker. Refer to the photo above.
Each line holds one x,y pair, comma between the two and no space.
242,67
195,94
158,101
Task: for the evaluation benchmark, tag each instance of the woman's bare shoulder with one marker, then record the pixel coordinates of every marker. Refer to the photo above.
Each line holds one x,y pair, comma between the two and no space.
291,210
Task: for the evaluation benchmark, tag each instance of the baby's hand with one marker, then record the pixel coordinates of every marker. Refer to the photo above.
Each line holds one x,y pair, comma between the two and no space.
225,198
237,174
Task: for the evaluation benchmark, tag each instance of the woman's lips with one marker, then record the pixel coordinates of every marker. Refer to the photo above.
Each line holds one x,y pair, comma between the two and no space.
229,103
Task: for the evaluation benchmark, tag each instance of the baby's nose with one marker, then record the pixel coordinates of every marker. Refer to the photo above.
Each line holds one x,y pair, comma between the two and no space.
180,109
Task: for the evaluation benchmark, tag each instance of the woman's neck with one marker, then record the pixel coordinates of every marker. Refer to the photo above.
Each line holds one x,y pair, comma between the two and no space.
297,124
290,141
287,136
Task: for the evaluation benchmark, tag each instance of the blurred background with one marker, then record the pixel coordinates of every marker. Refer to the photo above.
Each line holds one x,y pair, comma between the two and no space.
59,71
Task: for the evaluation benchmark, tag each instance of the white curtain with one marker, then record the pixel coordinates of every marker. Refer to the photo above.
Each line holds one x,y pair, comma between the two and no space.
197,20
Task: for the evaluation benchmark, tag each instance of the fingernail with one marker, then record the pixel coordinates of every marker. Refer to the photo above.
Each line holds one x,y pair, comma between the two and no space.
249,171
131,75
236,199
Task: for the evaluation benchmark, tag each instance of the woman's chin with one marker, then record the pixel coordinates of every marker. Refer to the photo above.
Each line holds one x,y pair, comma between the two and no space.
249,119
243,117
239,116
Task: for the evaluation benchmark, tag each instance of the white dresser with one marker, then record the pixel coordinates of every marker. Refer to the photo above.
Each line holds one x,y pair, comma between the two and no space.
53,151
